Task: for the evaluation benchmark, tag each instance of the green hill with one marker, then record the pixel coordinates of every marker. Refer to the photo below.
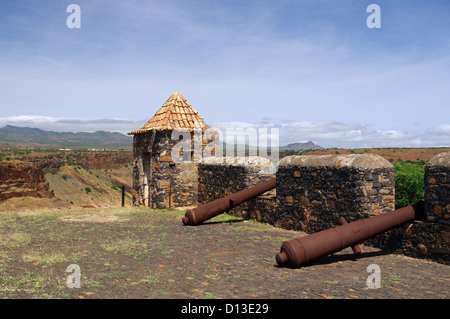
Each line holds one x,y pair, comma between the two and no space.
33,136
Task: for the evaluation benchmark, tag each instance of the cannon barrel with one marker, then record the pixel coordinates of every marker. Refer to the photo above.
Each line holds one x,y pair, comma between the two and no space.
300,251
204,212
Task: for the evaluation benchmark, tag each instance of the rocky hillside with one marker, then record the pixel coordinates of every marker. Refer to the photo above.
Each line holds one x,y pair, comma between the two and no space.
49,161
19,179
30,180
80,186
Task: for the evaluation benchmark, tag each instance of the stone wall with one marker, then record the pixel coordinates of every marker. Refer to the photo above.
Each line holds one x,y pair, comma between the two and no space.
431,238
313,192
428,238
225,176
437,185
158,181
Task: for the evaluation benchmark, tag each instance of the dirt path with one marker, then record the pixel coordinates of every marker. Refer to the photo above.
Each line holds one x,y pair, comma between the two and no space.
138,253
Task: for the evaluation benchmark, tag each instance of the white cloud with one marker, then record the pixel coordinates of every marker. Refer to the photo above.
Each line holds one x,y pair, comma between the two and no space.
349,135
329,135
443,130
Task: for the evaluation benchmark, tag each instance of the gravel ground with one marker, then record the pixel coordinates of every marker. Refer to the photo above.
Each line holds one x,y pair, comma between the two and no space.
144,254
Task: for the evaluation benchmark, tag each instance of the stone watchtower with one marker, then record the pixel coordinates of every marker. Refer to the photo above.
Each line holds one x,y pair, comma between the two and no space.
158,181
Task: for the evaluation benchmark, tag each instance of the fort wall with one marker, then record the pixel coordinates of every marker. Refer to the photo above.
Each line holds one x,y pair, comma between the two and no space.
225,176
313,192
158,181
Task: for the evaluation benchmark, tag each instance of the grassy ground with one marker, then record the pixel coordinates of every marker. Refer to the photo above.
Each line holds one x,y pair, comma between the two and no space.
36,247
143,253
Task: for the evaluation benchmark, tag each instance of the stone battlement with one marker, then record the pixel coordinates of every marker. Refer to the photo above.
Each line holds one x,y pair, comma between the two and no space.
312,192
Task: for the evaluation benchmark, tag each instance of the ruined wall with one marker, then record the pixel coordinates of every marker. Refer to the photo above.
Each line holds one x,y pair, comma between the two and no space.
428,238
314,191
437,207
437,185
158,181
21,179
222,177
431,238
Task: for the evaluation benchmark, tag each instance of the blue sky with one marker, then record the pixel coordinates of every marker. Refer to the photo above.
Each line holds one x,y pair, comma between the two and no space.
312,68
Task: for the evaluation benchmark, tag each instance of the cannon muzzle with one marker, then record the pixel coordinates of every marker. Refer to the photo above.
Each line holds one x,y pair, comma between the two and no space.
300,251
204,212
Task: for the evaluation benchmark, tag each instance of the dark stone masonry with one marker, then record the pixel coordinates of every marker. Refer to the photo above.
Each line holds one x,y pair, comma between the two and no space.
158,181
437,186
311,194
429,238
314,191
225,176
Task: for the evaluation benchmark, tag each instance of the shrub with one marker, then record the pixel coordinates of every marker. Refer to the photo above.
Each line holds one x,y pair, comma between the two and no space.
409,183
87,189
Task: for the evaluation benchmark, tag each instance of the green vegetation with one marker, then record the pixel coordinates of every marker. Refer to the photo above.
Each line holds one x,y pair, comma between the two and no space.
409,182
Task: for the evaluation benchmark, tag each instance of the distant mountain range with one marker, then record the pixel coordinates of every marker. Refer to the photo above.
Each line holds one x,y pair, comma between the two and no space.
101,139
34,136
301,146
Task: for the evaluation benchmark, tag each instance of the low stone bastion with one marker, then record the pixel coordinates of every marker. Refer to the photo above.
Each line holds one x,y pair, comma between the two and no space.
314,191
437,189
219,177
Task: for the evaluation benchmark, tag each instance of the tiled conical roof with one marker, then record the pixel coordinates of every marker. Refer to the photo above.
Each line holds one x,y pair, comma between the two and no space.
176,113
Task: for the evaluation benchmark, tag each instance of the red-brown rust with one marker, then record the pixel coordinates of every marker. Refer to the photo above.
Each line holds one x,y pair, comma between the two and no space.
204,212
300,251
356,249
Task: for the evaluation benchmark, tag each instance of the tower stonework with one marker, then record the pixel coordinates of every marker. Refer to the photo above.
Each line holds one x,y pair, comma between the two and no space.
158,180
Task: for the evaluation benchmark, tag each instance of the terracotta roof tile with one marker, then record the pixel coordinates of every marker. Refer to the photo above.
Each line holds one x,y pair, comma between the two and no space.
175,113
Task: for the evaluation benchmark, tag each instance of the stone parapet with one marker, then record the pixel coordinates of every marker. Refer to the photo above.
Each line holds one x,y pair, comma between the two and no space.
313,192
437,189
219,177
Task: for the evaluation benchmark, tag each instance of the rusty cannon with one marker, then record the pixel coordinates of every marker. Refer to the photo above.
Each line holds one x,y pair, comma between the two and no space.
300,251
204,212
